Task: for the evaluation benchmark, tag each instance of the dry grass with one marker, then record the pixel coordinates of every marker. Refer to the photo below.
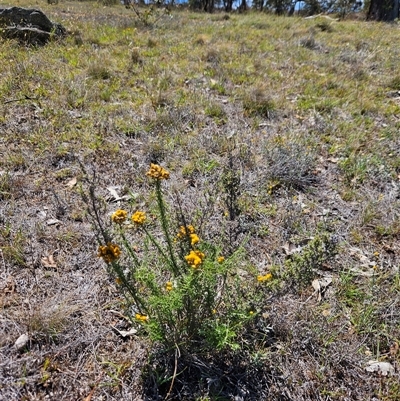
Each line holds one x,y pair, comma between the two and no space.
312,129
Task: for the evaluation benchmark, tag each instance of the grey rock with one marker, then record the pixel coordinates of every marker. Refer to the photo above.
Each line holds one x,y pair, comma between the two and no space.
29,26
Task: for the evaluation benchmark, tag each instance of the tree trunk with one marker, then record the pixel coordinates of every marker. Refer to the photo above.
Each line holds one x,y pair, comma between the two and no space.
209,6
243,6
383,10
228,6
292,8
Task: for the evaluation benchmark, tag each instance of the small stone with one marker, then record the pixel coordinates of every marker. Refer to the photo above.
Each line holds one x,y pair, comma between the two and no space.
21,342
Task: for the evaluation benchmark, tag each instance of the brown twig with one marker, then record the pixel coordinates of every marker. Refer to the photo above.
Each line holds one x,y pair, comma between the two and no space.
21,99
177,355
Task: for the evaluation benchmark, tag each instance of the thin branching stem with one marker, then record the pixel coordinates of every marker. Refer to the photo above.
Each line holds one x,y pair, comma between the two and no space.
165,226
129,248
140,304
159,249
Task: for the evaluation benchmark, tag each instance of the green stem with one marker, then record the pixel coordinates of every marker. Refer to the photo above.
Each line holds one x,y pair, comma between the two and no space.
129,248
131,289
164,225
159,249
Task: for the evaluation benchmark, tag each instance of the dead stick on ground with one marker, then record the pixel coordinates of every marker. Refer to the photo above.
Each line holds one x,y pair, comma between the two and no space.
175,369
2,258
21,99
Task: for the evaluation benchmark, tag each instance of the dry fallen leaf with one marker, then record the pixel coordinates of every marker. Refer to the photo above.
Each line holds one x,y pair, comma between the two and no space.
89,397
42,214
8,286
382,368
363,273
114,194
291,248
316,285
333,159
359,254
389,249
125,333
71,183
320,285
394,349
53,222
48,261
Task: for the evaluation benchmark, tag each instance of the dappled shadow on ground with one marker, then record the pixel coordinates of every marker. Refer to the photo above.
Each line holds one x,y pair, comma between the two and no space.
230,375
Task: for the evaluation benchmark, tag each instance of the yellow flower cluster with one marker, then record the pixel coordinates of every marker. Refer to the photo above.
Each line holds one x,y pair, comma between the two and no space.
194,239
157,172
185,231
141,318
119,216
109,252
168,286
265,277
220,259
195,258
139,217
188,231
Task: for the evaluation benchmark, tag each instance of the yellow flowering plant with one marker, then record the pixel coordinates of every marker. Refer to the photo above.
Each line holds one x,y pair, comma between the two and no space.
265,277
119,216
178,285
109,252
195,258
139,217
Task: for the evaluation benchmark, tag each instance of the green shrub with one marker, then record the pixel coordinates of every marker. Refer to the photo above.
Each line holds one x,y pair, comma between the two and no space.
257,103
183,291
289,164
302,267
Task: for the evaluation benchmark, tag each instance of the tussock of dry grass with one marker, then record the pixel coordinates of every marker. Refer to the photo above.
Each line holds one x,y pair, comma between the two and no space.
311,130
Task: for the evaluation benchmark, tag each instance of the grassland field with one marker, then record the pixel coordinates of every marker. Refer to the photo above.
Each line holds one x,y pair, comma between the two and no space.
305,111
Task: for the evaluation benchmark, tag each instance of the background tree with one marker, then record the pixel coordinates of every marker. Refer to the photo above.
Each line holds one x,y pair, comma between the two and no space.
383,10
243,5
228,5
280,6
258,5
